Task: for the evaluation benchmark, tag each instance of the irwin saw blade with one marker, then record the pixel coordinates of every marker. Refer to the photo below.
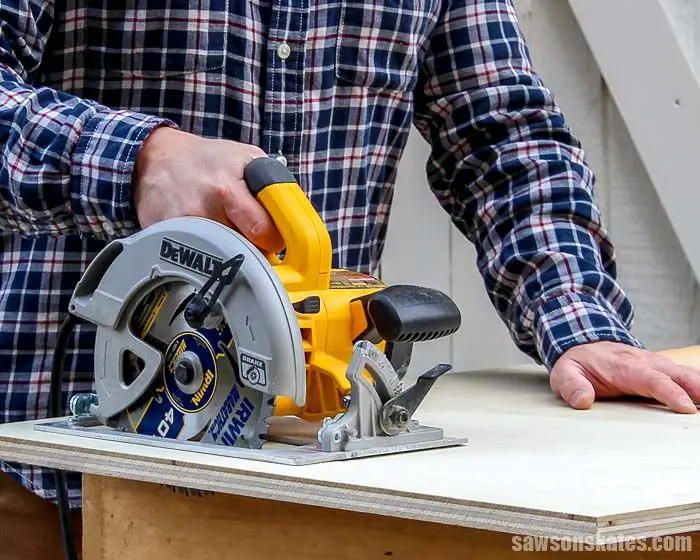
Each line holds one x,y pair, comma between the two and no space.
199,395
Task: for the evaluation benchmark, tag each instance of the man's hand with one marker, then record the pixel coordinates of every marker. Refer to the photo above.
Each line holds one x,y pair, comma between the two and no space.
607,369
181,174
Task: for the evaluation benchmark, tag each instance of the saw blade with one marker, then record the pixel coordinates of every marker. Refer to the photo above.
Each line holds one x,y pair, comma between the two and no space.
209,403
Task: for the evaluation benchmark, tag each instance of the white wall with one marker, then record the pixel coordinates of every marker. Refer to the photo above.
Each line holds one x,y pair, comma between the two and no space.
652,266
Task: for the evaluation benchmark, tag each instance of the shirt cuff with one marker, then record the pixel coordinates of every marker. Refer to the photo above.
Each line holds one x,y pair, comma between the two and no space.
575,318
102,167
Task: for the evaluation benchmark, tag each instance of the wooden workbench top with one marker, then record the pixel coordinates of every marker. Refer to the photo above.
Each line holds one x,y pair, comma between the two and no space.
532,464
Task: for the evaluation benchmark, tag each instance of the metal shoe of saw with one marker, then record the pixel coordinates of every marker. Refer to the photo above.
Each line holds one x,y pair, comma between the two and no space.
206,343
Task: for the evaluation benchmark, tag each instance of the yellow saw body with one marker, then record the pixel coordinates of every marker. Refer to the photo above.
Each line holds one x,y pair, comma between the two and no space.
204,338
335,317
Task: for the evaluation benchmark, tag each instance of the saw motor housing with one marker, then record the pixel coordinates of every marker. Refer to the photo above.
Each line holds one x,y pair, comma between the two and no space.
336,308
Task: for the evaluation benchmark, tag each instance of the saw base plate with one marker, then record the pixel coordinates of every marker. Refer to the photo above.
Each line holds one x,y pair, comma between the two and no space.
285,453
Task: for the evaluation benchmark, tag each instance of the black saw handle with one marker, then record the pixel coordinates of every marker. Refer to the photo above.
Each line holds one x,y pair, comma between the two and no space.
407,314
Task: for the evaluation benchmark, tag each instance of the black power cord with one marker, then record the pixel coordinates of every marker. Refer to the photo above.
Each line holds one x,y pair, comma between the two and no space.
67,533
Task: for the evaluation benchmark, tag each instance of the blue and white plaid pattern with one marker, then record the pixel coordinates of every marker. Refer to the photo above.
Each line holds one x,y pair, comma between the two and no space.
83,86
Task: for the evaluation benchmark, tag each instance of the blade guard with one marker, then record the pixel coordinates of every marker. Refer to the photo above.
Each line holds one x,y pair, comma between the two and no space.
256,306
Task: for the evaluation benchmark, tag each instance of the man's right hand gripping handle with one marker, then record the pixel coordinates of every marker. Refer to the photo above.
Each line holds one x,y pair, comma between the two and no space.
181,174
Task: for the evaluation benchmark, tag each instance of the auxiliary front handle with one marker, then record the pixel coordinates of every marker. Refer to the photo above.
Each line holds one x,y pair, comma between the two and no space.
308,257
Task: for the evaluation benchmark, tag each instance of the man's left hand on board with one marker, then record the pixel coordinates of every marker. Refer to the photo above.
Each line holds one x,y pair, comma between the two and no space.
600,370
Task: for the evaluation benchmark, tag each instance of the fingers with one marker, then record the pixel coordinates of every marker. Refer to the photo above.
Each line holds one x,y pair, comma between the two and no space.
568,382
686,377
251,219
247,214
658,385
606,369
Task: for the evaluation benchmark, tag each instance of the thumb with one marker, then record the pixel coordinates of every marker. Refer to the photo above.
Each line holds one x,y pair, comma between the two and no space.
568,381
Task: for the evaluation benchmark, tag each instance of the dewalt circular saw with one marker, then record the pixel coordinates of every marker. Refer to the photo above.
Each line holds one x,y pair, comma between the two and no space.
203,339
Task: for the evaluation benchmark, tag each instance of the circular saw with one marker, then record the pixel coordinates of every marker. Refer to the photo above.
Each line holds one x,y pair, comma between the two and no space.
205,339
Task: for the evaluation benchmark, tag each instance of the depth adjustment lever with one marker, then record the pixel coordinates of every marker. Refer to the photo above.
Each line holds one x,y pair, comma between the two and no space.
377,409
397,411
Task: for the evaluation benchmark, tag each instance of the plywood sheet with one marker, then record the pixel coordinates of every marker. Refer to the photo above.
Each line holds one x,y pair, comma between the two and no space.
532,465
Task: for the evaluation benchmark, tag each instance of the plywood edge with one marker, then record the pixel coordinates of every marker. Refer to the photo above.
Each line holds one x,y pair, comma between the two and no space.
668,521
651,515
472,515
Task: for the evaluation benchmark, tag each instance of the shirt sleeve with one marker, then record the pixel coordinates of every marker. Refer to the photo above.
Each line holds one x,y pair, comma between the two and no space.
66,162
513,177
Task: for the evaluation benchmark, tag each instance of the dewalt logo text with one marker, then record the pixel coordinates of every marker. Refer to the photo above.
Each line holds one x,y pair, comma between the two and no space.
188,257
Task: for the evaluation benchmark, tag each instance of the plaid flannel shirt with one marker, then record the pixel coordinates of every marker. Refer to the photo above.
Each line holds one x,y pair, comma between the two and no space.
333,86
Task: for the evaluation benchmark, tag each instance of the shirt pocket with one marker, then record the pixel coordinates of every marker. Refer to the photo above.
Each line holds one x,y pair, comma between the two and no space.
379,42
155,39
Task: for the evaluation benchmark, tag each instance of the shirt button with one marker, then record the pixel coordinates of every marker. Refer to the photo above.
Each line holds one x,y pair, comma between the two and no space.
283,51
282,160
